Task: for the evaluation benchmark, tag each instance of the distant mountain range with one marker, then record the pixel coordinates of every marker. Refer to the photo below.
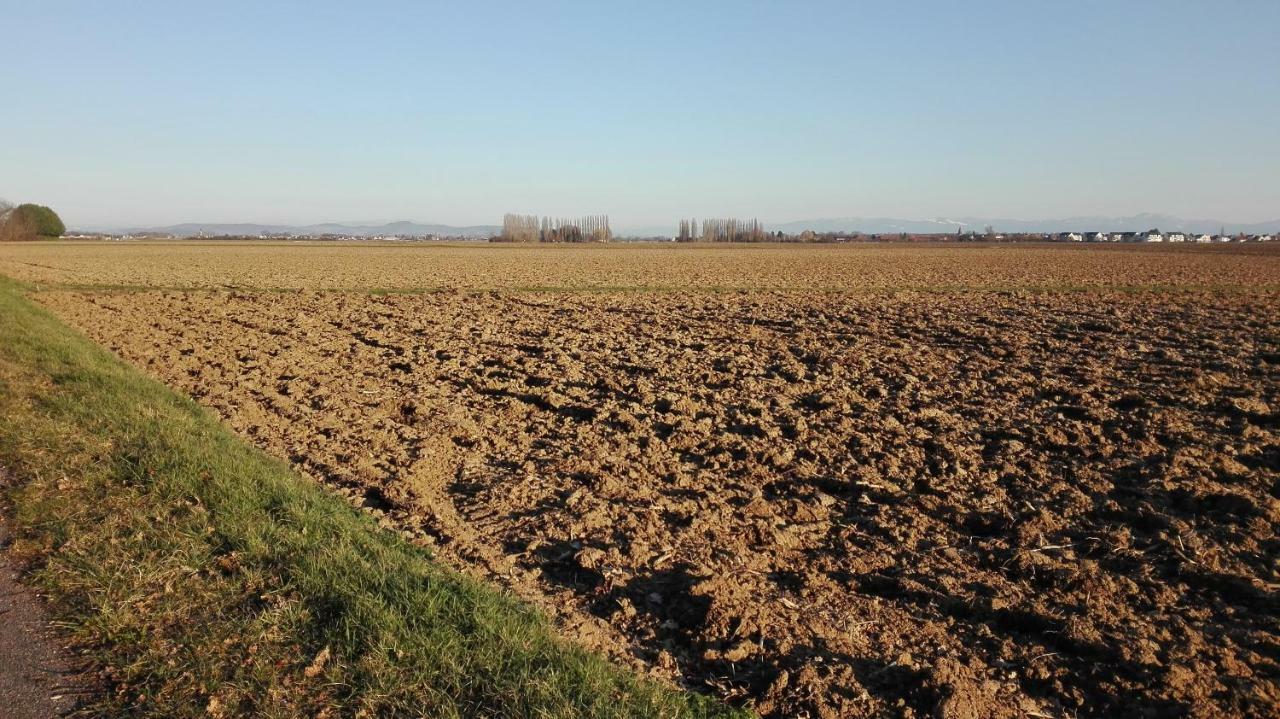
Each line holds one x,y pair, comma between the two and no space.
866,225
1133,223
248,229
892,225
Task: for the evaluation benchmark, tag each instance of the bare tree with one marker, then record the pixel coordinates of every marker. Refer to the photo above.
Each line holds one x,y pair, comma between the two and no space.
15,226
688,231
7,232
728,230
531,228
519,228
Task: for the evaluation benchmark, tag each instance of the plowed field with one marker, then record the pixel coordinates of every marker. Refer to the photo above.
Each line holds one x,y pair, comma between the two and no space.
657,266
962,504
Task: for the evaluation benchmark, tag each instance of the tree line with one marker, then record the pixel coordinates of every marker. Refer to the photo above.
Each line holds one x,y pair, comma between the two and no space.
531,228
28,222
722,230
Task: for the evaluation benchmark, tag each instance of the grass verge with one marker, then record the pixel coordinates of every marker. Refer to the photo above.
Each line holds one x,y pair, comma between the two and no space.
207,579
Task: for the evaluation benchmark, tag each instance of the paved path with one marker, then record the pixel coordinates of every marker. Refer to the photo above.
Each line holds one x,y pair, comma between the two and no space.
38,677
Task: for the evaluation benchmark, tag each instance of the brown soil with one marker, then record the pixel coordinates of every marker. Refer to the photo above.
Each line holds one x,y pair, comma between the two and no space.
856,267
965,505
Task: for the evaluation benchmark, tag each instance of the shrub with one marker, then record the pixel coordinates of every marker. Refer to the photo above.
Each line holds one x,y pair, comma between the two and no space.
28,222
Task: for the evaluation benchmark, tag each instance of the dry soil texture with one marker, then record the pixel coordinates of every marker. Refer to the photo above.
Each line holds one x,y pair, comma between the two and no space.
956,504
662,267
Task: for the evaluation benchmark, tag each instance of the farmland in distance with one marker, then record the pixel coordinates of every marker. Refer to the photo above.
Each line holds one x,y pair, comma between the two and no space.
654,267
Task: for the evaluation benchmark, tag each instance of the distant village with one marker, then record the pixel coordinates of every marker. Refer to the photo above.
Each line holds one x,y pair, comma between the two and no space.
990,235
1156,236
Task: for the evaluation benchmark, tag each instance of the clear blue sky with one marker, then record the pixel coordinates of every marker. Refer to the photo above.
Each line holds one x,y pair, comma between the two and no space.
129,113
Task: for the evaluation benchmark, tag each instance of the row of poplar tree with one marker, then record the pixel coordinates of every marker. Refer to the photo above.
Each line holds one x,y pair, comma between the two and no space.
531,228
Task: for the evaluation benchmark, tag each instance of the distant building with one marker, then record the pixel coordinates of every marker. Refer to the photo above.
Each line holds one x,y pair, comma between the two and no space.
1151,236
1176,237
1204,238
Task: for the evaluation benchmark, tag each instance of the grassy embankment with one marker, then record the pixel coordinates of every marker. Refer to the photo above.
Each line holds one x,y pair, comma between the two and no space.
207,579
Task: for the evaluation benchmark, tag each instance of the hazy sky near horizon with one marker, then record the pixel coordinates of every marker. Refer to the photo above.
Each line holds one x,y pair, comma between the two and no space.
150,113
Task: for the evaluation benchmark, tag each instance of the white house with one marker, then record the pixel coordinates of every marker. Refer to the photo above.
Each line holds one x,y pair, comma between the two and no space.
1177,237
1264,238
1204,238
1223,238
1100,237
1151,236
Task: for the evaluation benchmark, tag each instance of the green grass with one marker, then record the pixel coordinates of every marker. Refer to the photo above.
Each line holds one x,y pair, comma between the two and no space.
204,578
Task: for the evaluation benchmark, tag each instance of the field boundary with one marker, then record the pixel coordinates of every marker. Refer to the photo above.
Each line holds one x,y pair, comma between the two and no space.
204,578
1135,289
